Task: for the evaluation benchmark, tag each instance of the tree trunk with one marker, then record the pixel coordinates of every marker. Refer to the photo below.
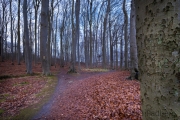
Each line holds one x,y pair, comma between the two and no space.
73,58
158,33
133,46
12,54
26,35
90,34
121,49
104,34
125,34
19,37
44,37
77,10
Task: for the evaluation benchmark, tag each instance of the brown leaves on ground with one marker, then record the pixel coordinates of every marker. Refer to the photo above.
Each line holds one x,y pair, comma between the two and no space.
18,93
101,97
18,90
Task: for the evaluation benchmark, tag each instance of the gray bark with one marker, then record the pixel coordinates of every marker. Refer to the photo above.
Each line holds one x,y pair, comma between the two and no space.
12,54
125,34
73,49
158,33
77,11
27,45
36,7
44,37
104,34
133,46
19,37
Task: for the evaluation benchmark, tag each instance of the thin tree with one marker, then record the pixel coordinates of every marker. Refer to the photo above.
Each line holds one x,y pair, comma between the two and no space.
77,11
18,32
36,4
11,16
125,34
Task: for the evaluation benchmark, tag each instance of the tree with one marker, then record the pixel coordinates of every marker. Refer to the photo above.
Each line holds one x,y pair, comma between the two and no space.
125,34
26,36
18,32
133,46
3,27
44,37
73,50
36,4
104,33
77,10
11,16
158,31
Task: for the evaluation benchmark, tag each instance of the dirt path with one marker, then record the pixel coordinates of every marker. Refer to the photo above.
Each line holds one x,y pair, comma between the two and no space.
64,80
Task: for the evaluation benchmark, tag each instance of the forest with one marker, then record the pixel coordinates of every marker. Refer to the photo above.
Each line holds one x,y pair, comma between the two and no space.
91,59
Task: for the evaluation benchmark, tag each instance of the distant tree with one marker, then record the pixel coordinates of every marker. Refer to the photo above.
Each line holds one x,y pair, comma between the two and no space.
11,17
18,32
104,34
27,40
77,12
73,48
44,37
36,4
125,34
4,4
133,46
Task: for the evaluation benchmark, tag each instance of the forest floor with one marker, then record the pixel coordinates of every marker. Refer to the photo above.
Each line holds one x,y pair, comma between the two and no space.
89,94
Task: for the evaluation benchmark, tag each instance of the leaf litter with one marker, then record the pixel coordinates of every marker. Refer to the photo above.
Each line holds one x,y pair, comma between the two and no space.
100,97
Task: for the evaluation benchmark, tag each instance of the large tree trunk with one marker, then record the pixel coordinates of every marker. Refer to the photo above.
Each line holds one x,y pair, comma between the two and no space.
44,37
158,40
26,35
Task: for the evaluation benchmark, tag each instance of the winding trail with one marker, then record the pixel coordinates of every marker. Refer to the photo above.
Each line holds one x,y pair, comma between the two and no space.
64,80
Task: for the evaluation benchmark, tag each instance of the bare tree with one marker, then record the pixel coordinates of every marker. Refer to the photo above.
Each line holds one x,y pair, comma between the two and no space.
104,33
43,37
18,32
133,46
11,16
125,34
26,36
36,4
77,11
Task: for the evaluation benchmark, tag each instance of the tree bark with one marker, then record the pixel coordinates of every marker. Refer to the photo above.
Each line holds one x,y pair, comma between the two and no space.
104,34
19,37
12,53
77,11
125,34
44,37
73,50
133,46
36,7
26,36
158,33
